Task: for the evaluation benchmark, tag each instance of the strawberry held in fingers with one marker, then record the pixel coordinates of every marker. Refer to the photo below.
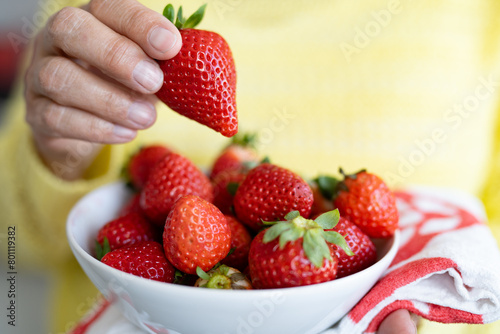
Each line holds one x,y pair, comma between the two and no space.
365,199
200,81
295,252
196,234
268,193
171,178
145,259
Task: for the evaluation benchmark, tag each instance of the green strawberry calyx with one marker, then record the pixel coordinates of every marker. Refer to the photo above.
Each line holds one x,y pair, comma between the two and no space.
330,186
313,232
248,139
179,21
102,249
222,277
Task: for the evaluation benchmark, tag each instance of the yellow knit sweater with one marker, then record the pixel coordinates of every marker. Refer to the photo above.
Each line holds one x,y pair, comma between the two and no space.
406,89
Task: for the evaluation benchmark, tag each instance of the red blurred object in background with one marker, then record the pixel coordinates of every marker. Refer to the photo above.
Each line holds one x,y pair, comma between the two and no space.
10,57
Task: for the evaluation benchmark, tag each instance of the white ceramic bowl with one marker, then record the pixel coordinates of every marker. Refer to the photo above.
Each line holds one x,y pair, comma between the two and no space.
188,310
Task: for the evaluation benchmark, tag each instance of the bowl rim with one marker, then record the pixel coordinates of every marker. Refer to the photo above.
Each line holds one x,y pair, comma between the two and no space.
306,289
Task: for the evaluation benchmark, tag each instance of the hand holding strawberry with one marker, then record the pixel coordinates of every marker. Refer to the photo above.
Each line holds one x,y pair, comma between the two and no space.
200,81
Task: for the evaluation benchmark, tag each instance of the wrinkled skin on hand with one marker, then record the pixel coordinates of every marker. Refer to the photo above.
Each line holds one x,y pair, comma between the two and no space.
92,79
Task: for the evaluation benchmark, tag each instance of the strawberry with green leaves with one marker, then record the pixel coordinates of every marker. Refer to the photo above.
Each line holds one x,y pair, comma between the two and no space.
296,252
364,251
196,234
200,81
268,193
144,259
122,231
171,178
365,200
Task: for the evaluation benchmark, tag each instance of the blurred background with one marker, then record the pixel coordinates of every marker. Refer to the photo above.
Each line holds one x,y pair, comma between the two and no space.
16,22
18,19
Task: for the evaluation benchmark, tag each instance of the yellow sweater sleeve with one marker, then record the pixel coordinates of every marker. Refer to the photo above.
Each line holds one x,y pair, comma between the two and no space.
33,199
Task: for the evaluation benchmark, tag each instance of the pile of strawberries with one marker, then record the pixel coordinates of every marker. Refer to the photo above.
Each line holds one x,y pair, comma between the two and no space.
247,224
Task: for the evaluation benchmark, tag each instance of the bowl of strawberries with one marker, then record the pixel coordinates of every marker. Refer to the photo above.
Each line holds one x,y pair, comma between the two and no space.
247,247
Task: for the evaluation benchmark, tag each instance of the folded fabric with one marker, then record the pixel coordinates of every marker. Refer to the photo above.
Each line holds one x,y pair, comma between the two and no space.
447,269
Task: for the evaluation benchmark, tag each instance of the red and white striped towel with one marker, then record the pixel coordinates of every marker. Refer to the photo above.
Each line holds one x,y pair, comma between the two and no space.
447,270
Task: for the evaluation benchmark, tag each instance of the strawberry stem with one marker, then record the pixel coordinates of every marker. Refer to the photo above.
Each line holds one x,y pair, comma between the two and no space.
245,140
181,22
219,281
327,185
313,232
169,12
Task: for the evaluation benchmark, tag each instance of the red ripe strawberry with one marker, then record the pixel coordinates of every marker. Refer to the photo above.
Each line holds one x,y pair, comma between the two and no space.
268,193
200,81
236,156
143,161
320,204
225,185
145,259
133,205
125,230
196,234
230,169
174,176
364,199
240,245
360,244
295,252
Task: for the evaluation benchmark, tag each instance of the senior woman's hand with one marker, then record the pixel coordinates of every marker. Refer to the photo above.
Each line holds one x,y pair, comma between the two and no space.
92,78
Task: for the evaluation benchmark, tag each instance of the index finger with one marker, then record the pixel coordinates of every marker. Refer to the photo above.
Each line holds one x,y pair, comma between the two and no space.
154,33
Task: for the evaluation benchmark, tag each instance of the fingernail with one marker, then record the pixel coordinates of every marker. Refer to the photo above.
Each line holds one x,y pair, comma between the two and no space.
162,39
122,133
148,75
142,114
